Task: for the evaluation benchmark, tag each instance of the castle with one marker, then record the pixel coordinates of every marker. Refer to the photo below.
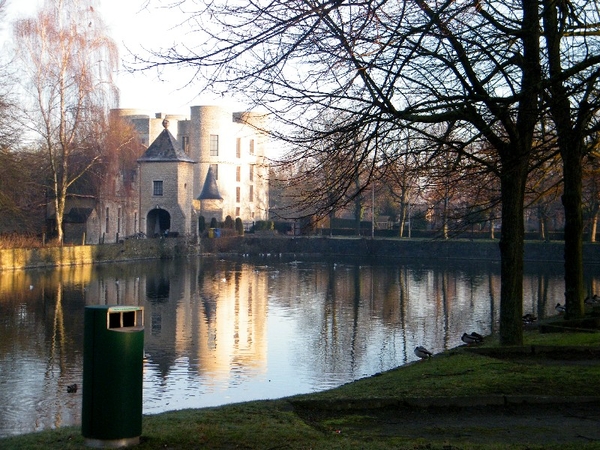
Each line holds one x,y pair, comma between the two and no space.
210,165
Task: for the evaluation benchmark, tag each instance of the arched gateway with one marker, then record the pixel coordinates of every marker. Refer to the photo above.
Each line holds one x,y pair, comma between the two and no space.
158,222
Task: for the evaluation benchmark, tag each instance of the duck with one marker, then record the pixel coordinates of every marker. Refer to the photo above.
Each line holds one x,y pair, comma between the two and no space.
72,388
477,335
594,299
422,352
560,308
473,338
528,319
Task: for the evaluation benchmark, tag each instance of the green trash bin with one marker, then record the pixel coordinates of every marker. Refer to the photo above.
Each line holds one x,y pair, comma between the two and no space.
113,352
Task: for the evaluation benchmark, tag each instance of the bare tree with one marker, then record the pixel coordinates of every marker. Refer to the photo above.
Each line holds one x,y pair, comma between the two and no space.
8,131
341,160
402,180
391,66
543,191
68,62
15,193
591,192
571,33
22,193
119,148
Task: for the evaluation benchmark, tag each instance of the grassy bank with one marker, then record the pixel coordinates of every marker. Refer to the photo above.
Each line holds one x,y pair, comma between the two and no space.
343,418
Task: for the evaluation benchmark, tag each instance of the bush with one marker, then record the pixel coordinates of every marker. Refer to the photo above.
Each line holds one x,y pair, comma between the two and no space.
239,226
264,225
228,223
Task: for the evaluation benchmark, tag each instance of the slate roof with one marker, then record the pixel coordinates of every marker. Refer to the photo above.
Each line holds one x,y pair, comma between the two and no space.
165,148
210,191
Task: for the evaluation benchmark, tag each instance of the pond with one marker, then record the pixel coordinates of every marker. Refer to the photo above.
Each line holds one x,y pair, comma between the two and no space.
222,331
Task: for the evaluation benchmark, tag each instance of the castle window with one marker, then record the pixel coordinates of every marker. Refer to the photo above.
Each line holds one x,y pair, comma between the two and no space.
251,174
214,145
107,221
157,189
119,212
238,194
185,143
237,212
252,146
238,173
238,148
251,194
215,170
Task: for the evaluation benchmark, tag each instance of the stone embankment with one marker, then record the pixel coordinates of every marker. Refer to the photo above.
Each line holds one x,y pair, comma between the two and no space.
253,245
71,255
388,248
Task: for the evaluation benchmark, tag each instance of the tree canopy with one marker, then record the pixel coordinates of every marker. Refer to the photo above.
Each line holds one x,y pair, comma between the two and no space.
67,63
459,76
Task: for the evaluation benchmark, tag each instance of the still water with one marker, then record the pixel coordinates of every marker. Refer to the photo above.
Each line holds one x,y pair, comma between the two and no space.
223,331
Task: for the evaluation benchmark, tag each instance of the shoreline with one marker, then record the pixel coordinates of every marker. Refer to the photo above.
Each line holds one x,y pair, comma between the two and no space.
288,246
477,398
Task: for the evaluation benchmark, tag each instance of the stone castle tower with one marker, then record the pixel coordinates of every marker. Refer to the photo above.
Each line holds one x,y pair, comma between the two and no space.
165,181
216,167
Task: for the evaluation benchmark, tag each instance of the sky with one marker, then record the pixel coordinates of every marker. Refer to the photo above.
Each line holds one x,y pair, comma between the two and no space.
135,25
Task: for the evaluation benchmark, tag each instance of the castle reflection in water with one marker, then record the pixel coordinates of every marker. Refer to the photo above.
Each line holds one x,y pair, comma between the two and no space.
223,331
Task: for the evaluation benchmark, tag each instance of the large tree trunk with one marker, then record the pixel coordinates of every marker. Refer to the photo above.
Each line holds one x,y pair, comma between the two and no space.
570,144
514,158
511,252
571,199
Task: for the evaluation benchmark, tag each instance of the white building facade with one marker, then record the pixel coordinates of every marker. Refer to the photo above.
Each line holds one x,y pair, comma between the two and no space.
233,145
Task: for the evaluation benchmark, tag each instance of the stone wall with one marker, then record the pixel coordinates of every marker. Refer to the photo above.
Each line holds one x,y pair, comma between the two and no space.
388,248
250,245
129,250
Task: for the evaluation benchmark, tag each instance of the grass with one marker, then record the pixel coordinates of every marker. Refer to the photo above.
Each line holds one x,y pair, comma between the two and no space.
284,424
